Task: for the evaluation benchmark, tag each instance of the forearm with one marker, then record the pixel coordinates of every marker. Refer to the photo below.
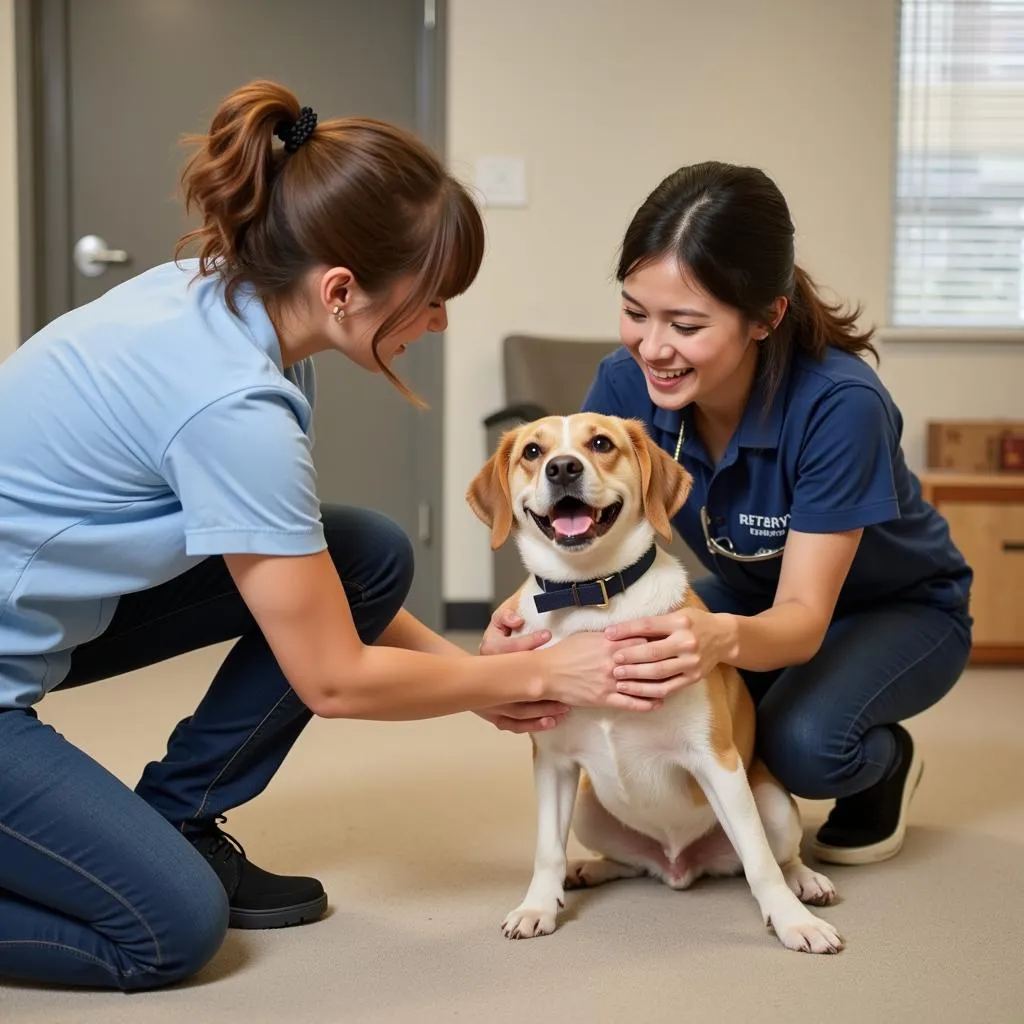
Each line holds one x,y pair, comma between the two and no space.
786,634
392,684
409,634
300,606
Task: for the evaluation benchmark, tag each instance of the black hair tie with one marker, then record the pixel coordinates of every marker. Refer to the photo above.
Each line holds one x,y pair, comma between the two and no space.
294,133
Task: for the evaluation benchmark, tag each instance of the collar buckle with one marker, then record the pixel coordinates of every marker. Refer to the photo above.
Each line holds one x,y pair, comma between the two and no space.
603,603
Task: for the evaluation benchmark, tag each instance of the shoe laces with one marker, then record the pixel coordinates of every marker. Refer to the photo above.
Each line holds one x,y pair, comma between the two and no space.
224,843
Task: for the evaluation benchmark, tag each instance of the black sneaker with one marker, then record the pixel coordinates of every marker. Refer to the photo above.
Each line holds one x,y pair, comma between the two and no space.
870,826
257,898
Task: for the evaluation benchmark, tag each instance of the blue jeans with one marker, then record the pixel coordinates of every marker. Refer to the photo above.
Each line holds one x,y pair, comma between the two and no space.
821,726
98,885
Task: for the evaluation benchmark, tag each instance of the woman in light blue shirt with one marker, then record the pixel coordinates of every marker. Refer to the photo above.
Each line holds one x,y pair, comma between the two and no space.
157,494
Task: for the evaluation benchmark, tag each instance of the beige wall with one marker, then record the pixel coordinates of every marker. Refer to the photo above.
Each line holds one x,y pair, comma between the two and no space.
603,98
8,186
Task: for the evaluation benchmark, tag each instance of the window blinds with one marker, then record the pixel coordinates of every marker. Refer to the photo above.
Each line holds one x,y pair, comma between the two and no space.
959,204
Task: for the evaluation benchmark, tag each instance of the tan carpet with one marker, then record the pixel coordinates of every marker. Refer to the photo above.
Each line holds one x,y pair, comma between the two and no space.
423,836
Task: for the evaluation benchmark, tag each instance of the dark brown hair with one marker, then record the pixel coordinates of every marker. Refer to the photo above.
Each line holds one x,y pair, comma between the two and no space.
730,228
360,193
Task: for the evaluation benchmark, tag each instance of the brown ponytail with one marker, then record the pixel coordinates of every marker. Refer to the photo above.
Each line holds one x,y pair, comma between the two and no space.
810,325
360,193
730,228
228,179
817,324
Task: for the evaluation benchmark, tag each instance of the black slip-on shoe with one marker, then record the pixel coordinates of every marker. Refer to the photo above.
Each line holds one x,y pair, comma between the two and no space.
870,826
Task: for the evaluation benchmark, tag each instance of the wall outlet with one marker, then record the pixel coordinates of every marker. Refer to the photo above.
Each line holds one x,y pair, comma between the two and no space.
502,180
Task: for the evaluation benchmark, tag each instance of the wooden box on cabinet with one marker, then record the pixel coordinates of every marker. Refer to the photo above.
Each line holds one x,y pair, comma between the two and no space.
971,446
985,512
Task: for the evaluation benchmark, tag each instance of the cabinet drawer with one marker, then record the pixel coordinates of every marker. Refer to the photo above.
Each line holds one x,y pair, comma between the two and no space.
991,537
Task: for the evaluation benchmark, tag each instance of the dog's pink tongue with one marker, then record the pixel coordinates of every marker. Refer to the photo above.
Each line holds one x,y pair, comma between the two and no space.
572,526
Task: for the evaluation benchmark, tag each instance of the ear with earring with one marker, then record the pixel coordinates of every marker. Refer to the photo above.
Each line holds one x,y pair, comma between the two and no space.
339,313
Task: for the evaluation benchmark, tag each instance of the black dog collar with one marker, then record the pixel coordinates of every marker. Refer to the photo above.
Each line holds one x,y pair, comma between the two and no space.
591,593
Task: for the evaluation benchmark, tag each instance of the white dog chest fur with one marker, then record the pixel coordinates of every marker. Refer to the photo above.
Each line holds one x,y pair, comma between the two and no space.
634,759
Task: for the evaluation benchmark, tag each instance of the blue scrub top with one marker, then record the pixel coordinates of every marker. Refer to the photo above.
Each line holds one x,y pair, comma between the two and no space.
139,434
826,457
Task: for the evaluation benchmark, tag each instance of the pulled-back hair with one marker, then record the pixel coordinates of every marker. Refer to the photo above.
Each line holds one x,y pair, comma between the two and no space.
730,228
360,193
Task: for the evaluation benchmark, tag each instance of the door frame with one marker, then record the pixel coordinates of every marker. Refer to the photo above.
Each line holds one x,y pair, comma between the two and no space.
44,218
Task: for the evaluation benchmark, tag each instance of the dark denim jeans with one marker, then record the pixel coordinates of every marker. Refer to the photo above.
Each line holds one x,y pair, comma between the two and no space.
821,726
98,886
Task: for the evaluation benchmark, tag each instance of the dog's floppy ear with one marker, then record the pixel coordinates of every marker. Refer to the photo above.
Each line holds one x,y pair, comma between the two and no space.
489,496
664,483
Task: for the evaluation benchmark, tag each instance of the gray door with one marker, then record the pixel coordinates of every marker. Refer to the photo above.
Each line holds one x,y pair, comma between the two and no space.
138,74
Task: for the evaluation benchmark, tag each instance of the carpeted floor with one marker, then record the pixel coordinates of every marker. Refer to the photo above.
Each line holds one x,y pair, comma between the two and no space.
423,835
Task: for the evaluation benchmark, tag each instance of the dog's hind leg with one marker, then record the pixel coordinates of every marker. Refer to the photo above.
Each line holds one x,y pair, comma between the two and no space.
781,819
624,852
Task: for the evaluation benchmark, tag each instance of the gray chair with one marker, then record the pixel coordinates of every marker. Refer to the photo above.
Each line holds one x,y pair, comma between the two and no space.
547,377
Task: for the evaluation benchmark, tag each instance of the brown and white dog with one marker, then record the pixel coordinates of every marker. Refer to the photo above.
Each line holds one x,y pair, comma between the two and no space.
675,793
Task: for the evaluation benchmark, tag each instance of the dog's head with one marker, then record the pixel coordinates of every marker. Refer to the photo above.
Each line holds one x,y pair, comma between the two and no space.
578,483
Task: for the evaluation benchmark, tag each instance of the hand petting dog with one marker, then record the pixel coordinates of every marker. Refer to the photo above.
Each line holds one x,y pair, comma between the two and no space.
682,648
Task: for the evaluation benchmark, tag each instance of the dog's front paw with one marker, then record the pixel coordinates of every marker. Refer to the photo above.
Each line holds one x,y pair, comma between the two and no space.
529,922
811,936
802,931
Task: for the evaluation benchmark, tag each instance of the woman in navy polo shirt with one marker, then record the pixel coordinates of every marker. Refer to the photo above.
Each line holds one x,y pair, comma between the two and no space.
832,585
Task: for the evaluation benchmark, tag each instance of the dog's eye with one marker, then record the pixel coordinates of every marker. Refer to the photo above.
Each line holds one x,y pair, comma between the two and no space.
531,452
602,444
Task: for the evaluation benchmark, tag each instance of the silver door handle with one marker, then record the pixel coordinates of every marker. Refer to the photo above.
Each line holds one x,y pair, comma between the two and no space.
92,255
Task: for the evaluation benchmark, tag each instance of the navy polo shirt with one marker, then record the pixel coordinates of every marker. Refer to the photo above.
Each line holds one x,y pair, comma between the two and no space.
825,457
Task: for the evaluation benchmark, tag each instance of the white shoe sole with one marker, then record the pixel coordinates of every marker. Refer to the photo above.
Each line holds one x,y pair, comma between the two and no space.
886,848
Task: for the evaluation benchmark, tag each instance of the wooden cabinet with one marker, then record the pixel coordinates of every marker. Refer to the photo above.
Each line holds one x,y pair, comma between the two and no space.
986,519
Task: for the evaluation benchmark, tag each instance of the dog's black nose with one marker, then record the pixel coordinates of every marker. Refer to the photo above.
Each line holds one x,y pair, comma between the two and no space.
564,470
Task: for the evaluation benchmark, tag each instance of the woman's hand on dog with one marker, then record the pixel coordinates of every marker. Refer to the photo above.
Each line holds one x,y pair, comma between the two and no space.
680,649
580,671
499,636
576,672
529,716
